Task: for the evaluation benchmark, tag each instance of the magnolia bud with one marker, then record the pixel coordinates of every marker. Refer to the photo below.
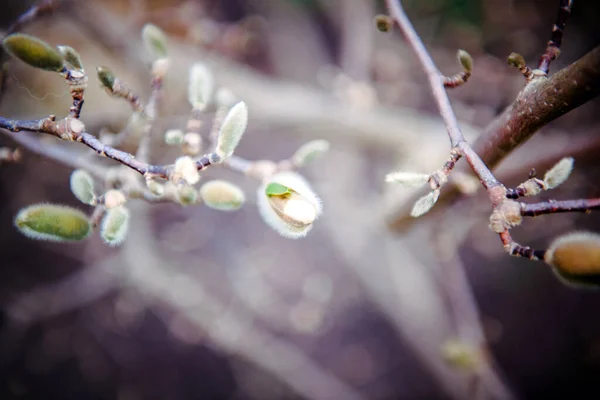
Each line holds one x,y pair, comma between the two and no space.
465,60
155,41
200,86
192,144
409,179
287,204
575,257
53,222
232,129
33,51
174,137
187,195
516,60
106,77
222,195
425,203
185,168
114,198
154,187
82,186
114,226
309,151
71,56
559,173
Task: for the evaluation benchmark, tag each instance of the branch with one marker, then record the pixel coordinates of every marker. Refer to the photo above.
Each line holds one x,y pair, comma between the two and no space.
553,206
553,47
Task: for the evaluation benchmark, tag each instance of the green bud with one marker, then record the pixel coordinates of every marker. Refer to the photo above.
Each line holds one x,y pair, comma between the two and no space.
155,41
188,195
465,60
575,258
222,195
461,355
33,51
53,223
309,151
114,226
106,77
71,56
232,129
201,86
82,186
516,60
174,137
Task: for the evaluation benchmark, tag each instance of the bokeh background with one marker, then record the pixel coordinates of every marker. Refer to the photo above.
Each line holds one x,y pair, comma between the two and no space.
198,304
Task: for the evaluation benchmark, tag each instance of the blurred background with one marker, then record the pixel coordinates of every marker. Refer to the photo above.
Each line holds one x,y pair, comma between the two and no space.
198,304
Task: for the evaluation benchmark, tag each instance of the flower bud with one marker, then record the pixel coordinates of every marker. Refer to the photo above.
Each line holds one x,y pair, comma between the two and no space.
114,226
71,56
154,187
559,173
232,129
192,144
309,151
187,195
53,223
155,41
82,186
222,195
425,203
288,205
575,257
201,86
185,169
114,198
409,179
465,60
516,60
174,137
33,51
106,78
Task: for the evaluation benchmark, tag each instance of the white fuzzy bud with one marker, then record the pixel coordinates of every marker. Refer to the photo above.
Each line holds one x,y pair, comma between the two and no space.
192,144
185,169
409,179
310,151
200,86
288,204
114,226
558,173
425,203
82,186
155,41
232,129
222,195
114,198
174,137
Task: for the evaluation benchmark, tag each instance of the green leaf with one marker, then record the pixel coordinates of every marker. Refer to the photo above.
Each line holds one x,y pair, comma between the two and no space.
53,222
33,51
277,189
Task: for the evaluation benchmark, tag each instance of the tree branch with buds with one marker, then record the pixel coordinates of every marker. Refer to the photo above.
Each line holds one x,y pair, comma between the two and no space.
507,213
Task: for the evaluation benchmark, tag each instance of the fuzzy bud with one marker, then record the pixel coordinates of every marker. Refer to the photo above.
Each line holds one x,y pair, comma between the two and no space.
506,216
201,86
559,173
154,187
222,195
71,56
160,67
106,78
114,226
53,223
192,144
465,60
173,137
232,129
187,195
288,204
155,41
185,169
114,198
309,151
425,203
575,257
33,51
82,186
409,179
516,60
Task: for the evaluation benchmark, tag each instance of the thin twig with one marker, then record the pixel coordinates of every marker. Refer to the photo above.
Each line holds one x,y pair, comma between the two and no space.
553,206
553,47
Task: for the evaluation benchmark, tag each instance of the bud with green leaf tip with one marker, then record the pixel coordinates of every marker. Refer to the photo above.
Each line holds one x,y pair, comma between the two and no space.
52,222
288,204
575,257
114,226
155,41
222,195
309,151
232,129
34,52
71,56
82,186
200,86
